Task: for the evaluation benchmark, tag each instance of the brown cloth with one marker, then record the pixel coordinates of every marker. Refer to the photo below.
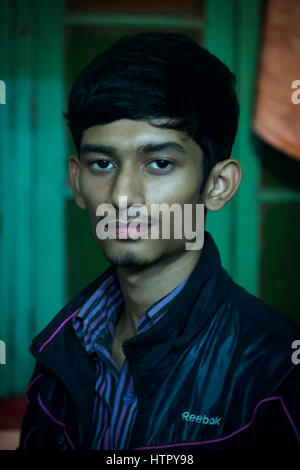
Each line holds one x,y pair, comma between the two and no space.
276,116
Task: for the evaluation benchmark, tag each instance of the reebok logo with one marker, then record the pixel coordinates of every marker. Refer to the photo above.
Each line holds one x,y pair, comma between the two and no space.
200,419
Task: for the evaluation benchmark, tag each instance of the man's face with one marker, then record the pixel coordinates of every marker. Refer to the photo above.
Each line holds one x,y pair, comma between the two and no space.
146,164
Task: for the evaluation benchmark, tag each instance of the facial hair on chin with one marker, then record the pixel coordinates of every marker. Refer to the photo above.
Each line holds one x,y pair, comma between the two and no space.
129,260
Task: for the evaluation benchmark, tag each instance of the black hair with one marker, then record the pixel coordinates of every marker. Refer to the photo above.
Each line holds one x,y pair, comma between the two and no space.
159,74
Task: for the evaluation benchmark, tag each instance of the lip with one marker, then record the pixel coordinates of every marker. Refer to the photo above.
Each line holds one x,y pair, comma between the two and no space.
121,224
126,230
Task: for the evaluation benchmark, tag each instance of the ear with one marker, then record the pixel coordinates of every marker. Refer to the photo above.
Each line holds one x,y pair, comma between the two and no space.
222,184
74,172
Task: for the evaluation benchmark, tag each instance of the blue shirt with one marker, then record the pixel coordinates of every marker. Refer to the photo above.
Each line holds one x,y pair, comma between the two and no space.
115,403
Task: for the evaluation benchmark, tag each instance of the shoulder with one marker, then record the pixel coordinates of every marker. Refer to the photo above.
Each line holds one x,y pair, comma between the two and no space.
257,316
264,336
261,341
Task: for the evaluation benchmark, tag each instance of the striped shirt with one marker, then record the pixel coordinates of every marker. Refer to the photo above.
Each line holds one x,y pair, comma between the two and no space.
115,404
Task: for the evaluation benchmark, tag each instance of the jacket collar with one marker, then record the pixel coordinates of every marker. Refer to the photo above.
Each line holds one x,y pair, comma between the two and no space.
204,291
57,348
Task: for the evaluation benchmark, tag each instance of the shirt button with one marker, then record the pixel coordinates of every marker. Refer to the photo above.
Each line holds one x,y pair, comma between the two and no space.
129,398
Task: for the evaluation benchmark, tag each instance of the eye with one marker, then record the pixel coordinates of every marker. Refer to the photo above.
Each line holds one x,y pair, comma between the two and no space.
162,164
101,164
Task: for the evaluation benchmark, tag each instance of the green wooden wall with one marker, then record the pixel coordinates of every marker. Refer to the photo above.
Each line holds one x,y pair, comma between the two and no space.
32,149
232,32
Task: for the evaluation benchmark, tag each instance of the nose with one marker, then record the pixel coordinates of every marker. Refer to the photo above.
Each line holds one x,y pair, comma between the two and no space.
127,189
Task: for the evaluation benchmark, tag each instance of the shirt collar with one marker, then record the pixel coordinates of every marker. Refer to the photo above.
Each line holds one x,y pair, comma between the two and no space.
97,317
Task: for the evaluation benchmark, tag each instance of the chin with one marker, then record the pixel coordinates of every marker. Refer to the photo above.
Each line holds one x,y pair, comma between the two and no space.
129,261
129,258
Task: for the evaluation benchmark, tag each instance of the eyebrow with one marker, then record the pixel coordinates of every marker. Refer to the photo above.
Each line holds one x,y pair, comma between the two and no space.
168,146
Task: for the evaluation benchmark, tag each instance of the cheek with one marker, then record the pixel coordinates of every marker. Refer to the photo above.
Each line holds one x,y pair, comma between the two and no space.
90,192
183,189
190,186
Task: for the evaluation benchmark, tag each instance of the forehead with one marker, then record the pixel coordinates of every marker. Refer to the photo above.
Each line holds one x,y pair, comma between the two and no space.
130,134
128,129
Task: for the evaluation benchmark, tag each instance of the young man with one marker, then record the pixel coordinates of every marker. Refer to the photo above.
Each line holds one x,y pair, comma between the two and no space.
163,350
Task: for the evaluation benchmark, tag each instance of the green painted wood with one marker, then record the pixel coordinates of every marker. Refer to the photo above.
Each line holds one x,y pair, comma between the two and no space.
49,162
32,177
271,195
232,33
18,180
21,210
6,220
220,27
133,20
247,223
219,38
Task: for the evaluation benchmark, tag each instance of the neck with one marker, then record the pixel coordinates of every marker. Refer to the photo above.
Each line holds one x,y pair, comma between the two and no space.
142,287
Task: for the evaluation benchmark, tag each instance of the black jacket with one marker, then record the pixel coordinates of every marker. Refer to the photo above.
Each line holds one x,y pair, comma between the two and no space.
214,373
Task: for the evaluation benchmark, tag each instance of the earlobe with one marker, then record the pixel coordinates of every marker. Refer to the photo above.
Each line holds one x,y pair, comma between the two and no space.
74,170
80,202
